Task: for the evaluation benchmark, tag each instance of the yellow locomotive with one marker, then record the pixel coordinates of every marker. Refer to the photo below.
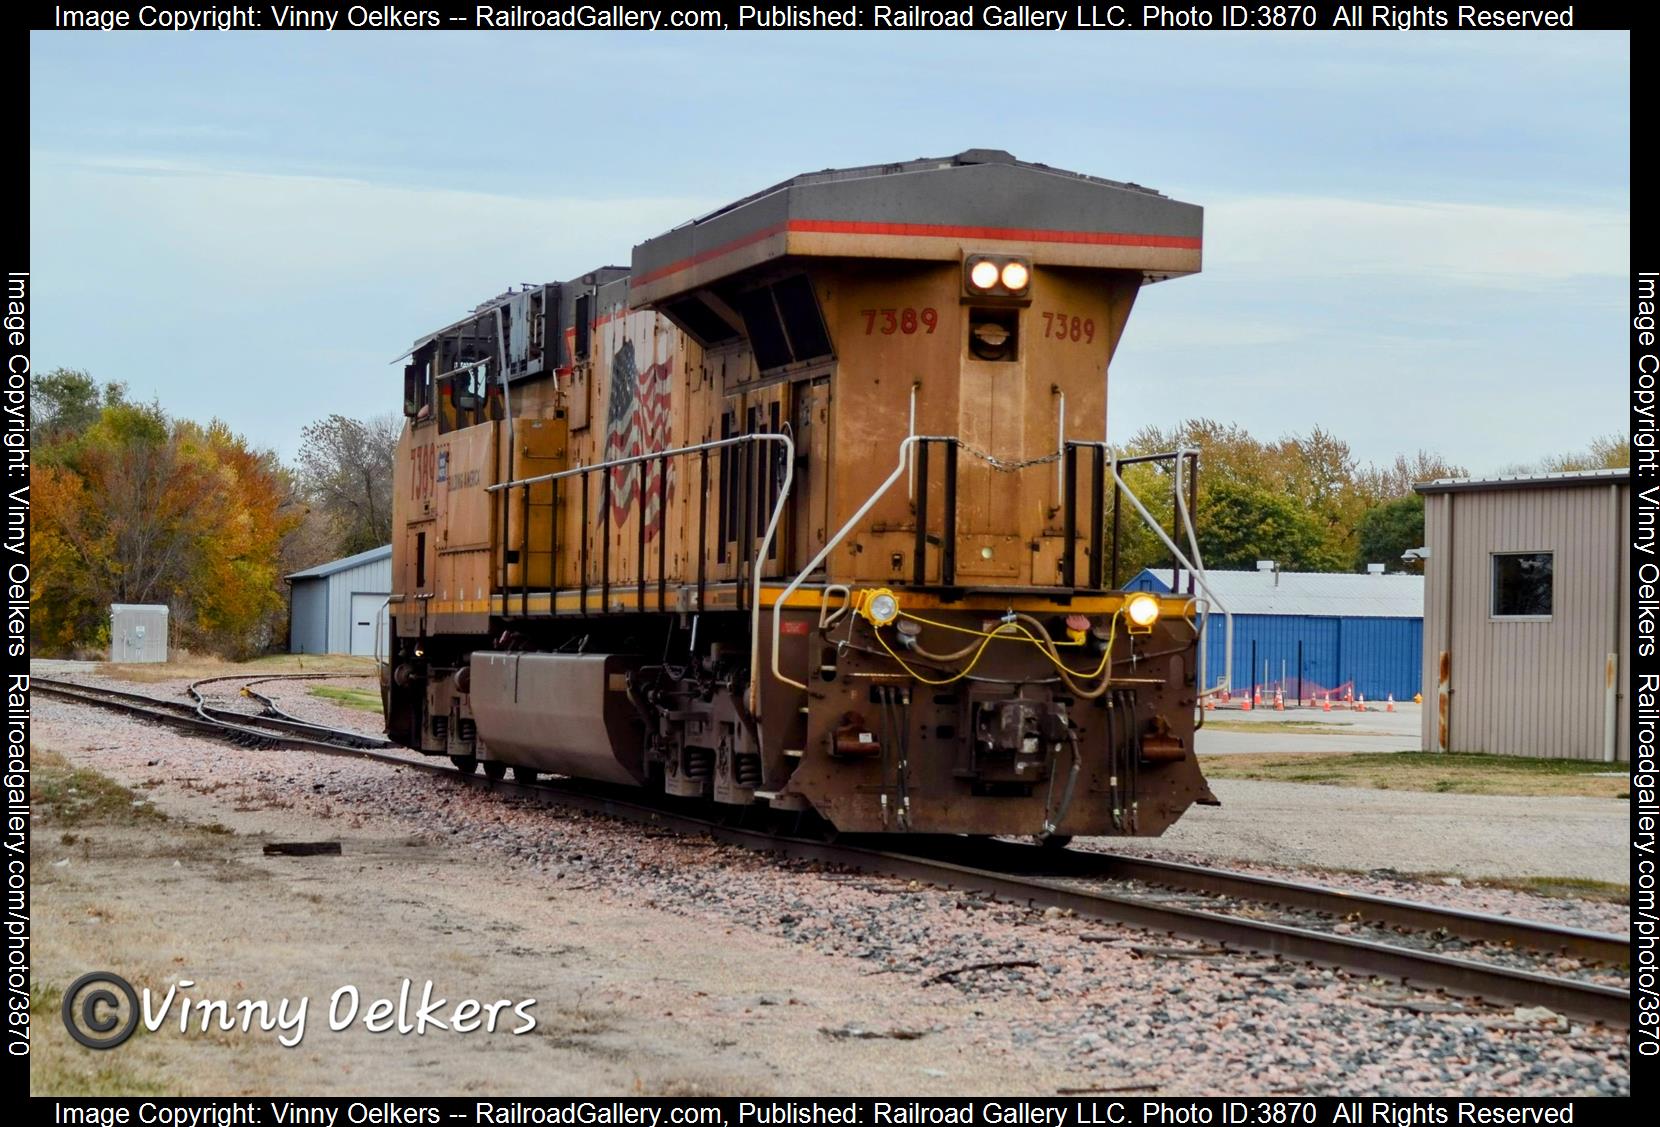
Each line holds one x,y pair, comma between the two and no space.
810,506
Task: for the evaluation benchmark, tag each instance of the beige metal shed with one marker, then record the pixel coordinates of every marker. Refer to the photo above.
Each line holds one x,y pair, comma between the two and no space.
1527,615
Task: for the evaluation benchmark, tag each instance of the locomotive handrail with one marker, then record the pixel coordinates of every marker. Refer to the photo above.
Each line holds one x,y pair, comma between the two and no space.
831,544
1186,517
1196,570
1194,567
784,488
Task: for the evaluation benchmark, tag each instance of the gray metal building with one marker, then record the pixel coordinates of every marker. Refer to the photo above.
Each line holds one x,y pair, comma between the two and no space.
138,632
339,607
1527,630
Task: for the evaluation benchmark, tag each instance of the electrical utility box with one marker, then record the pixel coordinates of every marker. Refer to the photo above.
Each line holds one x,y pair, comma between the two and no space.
138,632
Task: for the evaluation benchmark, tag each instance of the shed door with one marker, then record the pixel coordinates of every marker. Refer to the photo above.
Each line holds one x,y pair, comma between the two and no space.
366,615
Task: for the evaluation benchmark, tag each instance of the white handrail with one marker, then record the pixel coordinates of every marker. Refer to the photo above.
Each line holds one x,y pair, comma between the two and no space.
1197,571
905,448
831,544
1227,616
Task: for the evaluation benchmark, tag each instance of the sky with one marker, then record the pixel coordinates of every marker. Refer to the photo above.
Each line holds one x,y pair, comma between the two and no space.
1414,240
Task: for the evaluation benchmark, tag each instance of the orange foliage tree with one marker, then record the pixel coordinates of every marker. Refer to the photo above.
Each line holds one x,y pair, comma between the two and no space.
142,508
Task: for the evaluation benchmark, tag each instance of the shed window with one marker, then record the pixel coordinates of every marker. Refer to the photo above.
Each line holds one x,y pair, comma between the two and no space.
1522,584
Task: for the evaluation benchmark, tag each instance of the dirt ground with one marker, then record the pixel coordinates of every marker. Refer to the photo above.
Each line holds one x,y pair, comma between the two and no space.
629,1000
1473,835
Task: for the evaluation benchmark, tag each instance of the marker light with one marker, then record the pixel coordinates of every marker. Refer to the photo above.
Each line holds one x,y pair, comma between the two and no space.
1015,276
983,274
1142,611
880,607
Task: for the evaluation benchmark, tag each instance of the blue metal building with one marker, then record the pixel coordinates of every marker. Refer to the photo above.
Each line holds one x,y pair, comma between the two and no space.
1360,632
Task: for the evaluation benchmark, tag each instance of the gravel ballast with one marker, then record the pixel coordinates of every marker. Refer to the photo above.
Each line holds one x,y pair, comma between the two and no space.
1111,1005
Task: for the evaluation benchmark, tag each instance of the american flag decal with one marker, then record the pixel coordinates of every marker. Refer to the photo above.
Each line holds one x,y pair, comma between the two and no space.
637,422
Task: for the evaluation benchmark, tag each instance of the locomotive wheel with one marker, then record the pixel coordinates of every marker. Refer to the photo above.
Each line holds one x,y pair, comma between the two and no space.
524,775
466,764
495,770
1053,841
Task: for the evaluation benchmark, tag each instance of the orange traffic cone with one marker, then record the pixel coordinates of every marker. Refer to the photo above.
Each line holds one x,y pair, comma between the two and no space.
1279,700
1245,703
1390,707
1325,703
1361,707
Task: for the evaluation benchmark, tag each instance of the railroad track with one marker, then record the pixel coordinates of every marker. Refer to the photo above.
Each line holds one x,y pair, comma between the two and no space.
1028,874
202,716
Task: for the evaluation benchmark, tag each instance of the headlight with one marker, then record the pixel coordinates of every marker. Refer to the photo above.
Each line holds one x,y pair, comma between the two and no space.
983,274
1142,611
880,607
1015,276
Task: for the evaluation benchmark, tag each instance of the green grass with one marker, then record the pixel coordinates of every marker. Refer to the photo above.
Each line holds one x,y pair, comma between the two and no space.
366,699
1435,772
1579,888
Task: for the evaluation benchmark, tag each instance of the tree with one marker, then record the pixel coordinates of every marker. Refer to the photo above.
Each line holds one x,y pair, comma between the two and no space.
1397,479
1316,474
1388,530
1605,452
1240,524
141,508
345,473
65,402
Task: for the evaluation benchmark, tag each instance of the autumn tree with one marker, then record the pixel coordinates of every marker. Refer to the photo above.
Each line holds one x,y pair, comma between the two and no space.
65,403
137,507
1605,452
1298,486
344,474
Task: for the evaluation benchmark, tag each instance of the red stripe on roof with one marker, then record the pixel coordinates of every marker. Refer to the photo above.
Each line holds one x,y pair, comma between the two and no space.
925,230
1002,234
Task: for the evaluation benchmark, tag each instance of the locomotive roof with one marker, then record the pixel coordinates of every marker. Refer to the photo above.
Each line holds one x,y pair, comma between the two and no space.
929,209
920,164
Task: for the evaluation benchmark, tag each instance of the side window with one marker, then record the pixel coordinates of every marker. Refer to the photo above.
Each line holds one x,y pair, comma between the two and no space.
420,560
1522,584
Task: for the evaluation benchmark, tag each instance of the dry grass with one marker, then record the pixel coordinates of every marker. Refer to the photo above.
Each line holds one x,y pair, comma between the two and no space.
194,666
1453,773
61,1073
63,795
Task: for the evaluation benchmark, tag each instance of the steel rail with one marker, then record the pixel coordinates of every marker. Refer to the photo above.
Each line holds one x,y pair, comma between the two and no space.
1587,1000
274,717
215,721
1347,904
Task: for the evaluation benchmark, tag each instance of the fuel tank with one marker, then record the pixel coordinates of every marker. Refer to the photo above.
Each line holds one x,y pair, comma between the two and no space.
564,714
